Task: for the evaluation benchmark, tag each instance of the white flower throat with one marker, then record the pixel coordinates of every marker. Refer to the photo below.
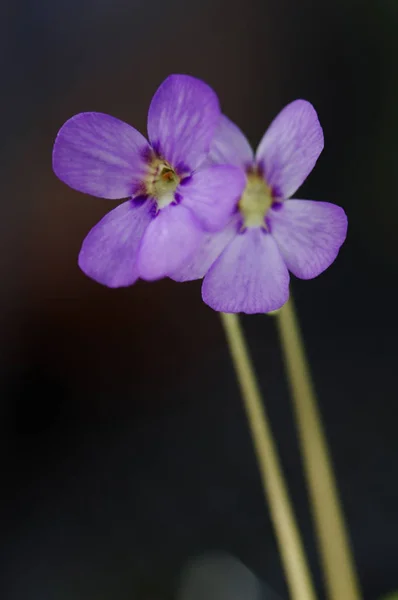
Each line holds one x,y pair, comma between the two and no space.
161,182
255,201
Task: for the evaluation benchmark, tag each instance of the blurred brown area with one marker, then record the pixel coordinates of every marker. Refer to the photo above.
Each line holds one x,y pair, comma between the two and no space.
124,443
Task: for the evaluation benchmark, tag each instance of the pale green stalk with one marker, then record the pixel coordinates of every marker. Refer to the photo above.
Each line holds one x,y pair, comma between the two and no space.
287,533
337,560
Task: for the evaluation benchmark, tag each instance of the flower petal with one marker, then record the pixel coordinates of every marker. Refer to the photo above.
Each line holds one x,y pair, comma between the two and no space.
171,238
230,146
308,234
182,119
249,276
290,147
212,244
212,194
100,155
109,252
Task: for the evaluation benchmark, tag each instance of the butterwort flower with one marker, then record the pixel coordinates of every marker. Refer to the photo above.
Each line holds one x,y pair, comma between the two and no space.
171,200
246,266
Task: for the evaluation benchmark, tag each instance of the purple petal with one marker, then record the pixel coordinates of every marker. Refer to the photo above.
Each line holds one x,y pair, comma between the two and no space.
212,244
109,252
100,155
308,234
290,147
249,276
230,145
171,238
182,119
212,194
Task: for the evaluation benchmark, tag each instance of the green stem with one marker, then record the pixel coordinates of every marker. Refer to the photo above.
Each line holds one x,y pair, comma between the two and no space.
287,533
337,560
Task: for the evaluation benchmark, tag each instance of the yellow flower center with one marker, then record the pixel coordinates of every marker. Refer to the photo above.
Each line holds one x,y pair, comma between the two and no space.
161,182
255,201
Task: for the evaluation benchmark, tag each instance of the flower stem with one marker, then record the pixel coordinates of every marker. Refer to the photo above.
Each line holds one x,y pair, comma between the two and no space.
287,533
337,561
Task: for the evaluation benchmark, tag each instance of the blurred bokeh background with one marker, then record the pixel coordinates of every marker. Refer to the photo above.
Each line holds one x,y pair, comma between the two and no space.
124,445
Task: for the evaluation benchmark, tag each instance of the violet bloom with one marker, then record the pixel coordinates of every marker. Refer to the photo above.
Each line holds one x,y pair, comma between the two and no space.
171,200
246,266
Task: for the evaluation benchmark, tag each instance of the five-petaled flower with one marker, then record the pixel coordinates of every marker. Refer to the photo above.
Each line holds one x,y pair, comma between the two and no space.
246,266
171,199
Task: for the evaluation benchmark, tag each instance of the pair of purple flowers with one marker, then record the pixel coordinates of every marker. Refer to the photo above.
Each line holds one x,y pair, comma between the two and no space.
201,203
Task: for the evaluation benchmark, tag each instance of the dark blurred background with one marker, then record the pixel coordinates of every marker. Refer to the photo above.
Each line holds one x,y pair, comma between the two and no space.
125,449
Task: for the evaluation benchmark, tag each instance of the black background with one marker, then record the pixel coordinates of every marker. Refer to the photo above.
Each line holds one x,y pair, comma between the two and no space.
125,448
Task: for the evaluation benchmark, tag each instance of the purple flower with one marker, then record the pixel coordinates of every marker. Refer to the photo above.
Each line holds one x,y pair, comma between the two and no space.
246,266
171,200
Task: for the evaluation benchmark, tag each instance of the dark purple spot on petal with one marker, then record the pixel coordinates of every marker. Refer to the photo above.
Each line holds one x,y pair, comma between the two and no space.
236,207
240,227
139,200
154,211
181,169
156,148
276,205
276,194
177,198
185,180
147,154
